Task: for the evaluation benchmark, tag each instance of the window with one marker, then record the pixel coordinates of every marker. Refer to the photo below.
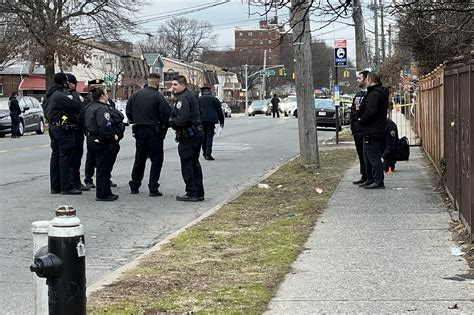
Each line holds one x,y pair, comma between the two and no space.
261,42
240,33
261,34
269,41
249,34
250,42
1,89
168,76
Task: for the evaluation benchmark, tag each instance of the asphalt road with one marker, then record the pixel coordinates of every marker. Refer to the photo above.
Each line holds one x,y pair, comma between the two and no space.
117,232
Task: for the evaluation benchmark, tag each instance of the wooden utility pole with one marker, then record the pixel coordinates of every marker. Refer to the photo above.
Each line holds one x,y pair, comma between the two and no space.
376,30
360,39
382,30
390,40
299,19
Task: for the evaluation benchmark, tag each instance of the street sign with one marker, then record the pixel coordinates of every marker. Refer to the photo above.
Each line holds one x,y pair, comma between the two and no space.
267,72
336,91
108,79
344,83
340,53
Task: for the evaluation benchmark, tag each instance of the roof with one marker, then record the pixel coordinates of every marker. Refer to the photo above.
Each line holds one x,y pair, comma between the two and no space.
152,58
181,63
34,82
21,68
206,66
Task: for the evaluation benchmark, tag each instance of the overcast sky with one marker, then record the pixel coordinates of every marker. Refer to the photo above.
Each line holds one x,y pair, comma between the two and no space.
226,17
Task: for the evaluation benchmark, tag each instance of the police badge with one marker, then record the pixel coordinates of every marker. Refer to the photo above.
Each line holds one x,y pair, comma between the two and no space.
107,116
178,105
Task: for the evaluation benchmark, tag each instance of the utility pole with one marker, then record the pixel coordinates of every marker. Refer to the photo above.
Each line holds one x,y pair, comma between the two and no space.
360,39
299,20
246,68
262,94
376,30
382,30
390,40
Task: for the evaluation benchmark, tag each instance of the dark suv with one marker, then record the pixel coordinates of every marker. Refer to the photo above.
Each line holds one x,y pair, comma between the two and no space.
31,118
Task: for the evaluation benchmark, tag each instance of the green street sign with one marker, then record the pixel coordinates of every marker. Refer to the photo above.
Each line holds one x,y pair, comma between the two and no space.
267,72
108,79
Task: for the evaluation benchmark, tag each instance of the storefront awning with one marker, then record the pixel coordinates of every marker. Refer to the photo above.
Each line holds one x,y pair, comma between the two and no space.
38,83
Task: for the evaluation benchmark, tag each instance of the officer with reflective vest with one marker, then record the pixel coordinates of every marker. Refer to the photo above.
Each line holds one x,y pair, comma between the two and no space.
185,120
61,112
149,113
104,131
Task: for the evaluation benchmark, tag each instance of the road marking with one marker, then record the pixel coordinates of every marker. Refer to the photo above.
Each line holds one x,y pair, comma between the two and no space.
26,148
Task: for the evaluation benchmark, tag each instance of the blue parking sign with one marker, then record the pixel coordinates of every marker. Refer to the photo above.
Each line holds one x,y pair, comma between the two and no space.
340,57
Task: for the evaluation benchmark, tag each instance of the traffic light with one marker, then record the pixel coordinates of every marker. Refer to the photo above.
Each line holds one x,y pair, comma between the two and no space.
284,72
346,74
293,76
280,72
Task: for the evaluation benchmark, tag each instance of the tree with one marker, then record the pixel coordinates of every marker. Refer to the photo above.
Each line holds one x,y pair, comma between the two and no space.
55,30
181,38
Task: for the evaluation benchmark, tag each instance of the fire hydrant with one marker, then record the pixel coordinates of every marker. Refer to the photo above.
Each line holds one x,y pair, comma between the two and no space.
63,263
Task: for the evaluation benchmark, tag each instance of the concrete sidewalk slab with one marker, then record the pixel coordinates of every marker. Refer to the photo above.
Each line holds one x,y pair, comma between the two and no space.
380,251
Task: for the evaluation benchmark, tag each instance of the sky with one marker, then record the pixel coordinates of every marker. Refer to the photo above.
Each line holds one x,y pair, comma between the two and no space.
234,13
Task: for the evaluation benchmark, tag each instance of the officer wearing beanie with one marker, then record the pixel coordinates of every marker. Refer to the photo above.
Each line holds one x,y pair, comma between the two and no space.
62,113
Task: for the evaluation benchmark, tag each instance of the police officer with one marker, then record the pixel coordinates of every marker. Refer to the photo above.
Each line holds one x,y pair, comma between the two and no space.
275,101
211,113
372,121
61,112
389,149
90,159
186,122
104,131
15,113
149,113
78,134
355,128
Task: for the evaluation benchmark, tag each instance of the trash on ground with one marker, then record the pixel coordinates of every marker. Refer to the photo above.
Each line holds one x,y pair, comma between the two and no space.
266,186
319,190
453,306
280,186
456,251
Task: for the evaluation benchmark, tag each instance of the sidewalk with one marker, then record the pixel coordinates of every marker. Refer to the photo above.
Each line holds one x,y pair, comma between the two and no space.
380,251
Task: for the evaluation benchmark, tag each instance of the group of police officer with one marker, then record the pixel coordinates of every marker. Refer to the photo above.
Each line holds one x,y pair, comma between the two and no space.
375,135
73,119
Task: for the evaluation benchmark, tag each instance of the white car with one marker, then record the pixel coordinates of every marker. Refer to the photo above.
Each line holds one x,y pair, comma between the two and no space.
286,104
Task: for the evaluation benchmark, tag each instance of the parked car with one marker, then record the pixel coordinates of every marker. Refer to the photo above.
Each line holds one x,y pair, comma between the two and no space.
31,118
286,104
258,107
226,110
325,113
121,105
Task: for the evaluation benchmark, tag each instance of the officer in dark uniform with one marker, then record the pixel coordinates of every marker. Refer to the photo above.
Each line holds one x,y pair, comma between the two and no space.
61,112
389,149
186,122
211,113
373,122
355,128
149,113
90,159
275,101
78,134
15,113
104,131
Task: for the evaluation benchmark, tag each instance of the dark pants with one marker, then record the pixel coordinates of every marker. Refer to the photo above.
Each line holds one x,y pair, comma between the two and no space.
104,155
276,112
359,144
208,137
373,159
389,162
62,158
78,152
147,143
15,119
191,171
89,167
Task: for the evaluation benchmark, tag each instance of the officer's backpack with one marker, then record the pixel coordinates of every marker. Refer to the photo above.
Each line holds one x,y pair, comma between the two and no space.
403,149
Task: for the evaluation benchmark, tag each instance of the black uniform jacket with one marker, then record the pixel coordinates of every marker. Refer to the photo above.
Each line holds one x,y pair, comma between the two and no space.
59,106
103,124
275,100
391,141
211,109
13,106
355,112
148,107
373,111
185,111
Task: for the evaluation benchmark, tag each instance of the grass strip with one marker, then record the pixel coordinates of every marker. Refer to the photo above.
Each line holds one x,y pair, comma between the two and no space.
234,260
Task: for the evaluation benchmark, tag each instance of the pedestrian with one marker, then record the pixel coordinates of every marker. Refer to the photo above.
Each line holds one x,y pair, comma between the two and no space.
104,131
15,113
89,168
355,128
149,113
275,101
211,114
373,121
389,148
185,120
61,112
78,134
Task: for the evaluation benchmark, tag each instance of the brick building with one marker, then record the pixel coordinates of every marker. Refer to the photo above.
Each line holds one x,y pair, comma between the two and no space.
269,35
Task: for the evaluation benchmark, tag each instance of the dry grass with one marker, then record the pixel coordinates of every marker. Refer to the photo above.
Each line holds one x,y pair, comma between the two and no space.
234,260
